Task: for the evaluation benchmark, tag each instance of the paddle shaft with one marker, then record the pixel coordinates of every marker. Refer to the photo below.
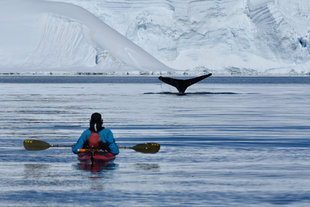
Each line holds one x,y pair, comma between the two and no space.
61,145
122,147
37,145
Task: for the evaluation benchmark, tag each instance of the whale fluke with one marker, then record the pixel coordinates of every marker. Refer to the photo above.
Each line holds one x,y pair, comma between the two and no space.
182,85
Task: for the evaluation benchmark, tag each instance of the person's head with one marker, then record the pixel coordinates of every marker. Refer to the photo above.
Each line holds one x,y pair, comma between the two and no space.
95,123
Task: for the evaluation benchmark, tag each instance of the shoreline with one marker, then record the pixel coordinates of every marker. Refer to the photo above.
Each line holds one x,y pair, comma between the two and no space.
148,74
145,79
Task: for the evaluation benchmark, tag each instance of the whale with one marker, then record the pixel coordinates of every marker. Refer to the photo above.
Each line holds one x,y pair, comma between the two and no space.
180,84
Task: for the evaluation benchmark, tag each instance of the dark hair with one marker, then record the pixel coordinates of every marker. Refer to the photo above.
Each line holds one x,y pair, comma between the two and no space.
95,123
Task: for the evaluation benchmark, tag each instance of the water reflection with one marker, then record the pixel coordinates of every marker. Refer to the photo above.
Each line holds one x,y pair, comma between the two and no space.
147,166
97,187
35,170
192,93
97,166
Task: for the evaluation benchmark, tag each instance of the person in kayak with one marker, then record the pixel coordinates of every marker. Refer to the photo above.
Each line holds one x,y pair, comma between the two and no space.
96,136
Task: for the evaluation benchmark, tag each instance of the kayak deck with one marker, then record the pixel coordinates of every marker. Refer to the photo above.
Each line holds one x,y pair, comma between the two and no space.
96,157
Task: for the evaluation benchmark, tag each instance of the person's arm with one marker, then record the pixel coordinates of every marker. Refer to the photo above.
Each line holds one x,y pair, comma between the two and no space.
79,144
111,142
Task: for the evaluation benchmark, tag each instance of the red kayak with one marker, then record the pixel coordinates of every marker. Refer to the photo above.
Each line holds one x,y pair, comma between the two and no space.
95,157
95,161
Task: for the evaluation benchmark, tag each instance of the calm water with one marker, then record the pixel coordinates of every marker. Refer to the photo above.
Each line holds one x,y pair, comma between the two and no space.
226,143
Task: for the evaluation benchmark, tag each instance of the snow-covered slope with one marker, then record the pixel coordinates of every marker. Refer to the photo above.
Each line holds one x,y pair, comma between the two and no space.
219,36
45,36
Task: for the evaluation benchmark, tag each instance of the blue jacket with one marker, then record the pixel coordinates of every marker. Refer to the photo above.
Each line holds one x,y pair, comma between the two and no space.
106,136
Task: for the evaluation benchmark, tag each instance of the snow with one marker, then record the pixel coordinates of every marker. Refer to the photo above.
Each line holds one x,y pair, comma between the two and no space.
64,36
245,37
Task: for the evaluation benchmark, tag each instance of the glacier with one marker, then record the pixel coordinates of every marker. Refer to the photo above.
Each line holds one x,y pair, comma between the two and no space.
63,37
230,37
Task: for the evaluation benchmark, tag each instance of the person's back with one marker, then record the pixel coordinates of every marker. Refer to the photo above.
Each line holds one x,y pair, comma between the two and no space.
96,136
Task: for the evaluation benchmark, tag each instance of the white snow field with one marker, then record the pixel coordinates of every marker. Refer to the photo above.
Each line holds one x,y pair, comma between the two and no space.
243,37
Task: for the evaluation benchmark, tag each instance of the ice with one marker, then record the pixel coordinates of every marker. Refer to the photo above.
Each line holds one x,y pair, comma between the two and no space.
264,37
65,36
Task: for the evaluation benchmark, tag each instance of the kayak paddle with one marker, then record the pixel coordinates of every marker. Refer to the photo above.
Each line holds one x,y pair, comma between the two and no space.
37,145
144,147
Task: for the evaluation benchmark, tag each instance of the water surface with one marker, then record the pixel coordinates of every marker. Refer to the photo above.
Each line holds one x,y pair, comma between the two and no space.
225,143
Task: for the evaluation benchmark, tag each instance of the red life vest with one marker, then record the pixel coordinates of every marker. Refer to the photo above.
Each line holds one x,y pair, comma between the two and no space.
94,140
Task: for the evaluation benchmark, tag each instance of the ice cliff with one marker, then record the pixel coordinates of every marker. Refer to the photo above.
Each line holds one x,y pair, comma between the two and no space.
220,36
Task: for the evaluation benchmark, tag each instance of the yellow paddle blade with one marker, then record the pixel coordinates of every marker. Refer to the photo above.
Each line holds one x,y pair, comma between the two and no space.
35,145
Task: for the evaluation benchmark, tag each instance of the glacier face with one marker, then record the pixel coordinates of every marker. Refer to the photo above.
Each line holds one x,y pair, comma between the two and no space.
264,36
219,36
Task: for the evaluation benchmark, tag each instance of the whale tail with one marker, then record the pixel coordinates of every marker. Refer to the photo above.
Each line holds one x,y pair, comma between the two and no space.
182,85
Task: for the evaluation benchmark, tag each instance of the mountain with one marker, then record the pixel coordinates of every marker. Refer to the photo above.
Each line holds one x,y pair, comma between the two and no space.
243,37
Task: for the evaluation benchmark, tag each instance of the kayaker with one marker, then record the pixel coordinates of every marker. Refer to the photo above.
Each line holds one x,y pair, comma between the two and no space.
96,136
